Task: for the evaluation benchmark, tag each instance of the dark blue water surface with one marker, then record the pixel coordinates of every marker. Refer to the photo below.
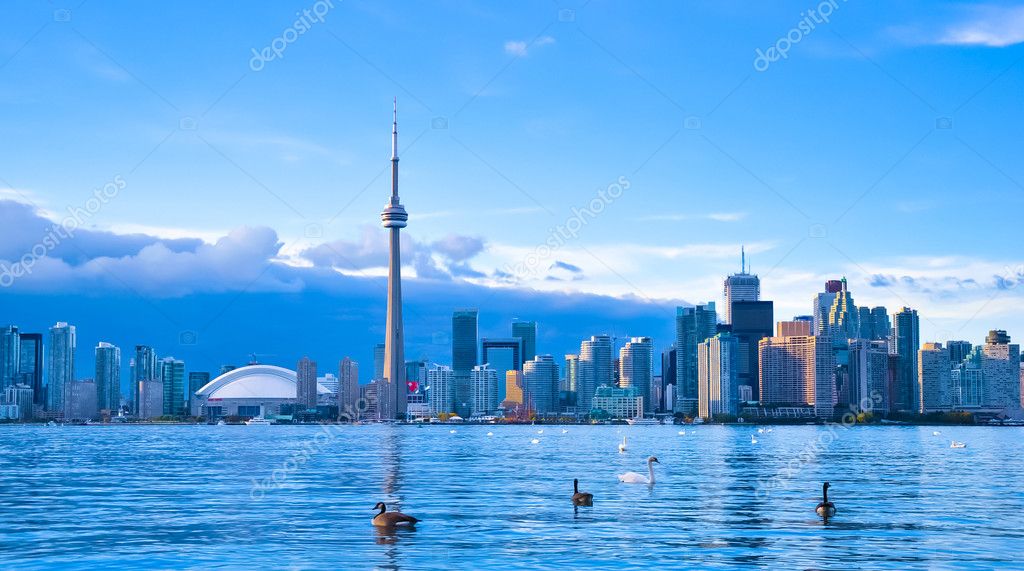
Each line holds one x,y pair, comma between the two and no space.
301,497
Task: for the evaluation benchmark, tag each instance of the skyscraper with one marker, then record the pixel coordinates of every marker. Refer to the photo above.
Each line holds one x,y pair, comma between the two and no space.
527,331
61,364
483,390
572,373
906,342
693,326
108,377
935,382
10,356
392,395
668,378
513,391
823,304
958,351
144,368
636,367
869,375
718,361
464,355
502,354
440,394
540,385
595,369
843,317
378,361
31,366
172,375
196,381
741,287
798,371
348,389
1001,371
752,321
305,386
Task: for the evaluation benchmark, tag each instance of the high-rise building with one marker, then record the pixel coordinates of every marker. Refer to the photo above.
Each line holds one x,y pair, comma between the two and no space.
800,328
108,378
464,355
172,375
718,363
196,381
869,375
348,389
843,317
905,344
513,403
668,378
393,393
693,326
144,368
305,386
483,390
935,382
823,305
798,371
18,401
752,321
1001,372
540,385
80,400
502,354
741,287
61,364
619,403
636,367
151,398
527,331
441,389
572,373
595,369
31,366
10,356
958,351
378,361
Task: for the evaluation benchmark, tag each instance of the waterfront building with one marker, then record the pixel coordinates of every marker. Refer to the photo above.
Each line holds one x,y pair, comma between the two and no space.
741,287
196,381
798,371
484,390
935,378
30,367
905,344
348,388
527,331
306,383
502,354
172,375
60,365
693,326
668,376
151,399
18,402
10,356
617,403
540,385
572,373
752,321
636,367
1001,372
371,402
441,389
144,367
108,378
718,364
80,400
250,391
595,368
464,355
868,375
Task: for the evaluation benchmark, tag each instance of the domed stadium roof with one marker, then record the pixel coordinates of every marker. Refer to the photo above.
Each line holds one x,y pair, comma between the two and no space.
255,382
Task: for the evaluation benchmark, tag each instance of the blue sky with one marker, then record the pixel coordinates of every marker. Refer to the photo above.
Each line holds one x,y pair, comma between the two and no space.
885,147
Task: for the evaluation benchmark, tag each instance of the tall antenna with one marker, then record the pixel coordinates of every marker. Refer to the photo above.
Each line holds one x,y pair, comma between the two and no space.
394,154
743,260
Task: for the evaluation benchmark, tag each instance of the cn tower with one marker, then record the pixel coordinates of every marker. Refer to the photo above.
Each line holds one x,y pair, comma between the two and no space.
391,393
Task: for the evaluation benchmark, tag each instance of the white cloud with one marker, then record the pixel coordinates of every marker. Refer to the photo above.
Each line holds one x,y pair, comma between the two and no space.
678,217
993,26
519,48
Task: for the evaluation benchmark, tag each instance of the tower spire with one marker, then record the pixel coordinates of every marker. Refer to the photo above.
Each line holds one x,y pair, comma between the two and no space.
743,260
394,154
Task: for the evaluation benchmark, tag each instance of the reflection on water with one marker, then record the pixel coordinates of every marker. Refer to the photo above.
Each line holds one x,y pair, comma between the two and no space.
176,497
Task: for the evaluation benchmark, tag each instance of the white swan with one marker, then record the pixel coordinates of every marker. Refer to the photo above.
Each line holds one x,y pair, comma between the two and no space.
622,445
564,430
936,433
452,431
634,478
957,444
535,441
752,439
490,434
682,433
541,431
760,431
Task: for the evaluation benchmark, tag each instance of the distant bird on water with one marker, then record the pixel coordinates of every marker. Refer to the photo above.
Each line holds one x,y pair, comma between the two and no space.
391,519
825,508
622,445
580,498
634,478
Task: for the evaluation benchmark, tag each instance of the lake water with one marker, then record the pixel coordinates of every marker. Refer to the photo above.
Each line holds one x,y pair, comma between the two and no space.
301,497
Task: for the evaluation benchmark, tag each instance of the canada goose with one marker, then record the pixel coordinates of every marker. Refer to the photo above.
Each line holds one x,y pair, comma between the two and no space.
391,519
825,508
634,478
580,498
622,445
